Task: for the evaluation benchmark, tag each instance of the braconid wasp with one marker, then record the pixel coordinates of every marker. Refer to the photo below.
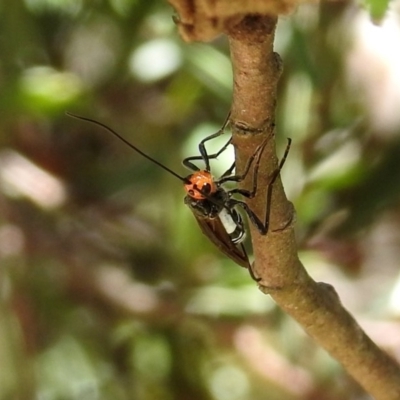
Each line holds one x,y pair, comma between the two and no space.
214,206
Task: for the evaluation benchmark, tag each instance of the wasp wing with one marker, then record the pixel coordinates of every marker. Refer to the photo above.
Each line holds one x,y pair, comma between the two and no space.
216,232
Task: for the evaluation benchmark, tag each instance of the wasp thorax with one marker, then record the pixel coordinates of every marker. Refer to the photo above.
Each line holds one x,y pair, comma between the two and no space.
200,185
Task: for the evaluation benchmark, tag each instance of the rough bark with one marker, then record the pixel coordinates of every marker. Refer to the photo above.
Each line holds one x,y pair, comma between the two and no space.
315,306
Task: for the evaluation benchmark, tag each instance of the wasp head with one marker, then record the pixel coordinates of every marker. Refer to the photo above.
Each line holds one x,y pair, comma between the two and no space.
200,185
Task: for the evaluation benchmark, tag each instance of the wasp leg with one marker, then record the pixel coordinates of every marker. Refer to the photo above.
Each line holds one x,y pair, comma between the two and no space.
252,274
226,177
261,227
203,151
251,193
249,266
202,147
229,171
187,162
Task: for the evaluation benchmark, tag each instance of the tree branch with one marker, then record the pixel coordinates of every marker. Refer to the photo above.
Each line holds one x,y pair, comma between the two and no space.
316,306
203,20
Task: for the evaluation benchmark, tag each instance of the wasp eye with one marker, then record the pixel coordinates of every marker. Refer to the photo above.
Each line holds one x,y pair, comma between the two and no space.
206,188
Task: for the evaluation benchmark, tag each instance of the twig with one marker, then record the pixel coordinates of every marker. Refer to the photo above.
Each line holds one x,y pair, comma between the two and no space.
257,68
315,306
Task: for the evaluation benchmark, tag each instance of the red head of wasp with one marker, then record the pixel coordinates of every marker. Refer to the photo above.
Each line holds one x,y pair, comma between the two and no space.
213,206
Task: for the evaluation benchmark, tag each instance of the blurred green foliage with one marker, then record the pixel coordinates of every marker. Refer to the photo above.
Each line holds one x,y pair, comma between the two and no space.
108,288
377,8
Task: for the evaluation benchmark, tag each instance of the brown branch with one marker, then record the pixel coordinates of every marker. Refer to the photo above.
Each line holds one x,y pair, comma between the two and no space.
315,306
203,20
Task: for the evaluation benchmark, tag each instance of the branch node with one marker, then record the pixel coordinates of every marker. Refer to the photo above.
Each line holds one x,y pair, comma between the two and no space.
330,291
269,290
242,128
289,224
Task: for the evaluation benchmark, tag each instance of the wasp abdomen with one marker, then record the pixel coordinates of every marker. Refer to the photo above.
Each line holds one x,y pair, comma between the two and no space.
233,224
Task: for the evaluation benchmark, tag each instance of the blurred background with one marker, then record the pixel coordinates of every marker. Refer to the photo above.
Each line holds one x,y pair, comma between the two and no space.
108,289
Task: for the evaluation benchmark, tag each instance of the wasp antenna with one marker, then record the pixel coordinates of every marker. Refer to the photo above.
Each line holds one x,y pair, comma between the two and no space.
107,128
282,162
